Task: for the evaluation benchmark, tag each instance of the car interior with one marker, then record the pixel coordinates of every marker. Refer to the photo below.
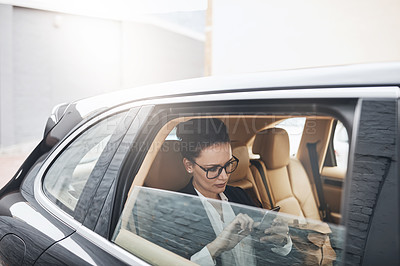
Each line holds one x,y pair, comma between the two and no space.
271,171
288,180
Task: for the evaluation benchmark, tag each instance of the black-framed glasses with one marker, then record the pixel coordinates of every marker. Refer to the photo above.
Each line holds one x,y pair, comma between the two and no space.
215,171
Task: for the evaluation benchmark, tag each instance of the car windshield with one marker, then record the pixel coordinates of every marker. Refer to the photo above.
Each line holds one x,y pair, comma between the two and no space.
181,223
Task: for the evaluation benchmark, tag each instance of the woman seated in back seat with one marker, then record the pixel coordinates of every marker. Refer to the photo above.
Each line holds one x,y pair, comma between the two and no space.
207,156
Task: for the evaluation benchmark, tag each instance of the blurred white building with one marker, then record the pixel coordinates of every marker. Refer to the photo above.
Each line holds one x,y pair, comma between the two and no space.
58,51
262,35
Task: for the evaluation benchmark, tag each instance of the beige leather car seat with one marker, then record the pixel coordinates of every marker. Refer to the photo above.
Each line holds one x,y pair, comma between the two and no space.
242,177
167,171
286,178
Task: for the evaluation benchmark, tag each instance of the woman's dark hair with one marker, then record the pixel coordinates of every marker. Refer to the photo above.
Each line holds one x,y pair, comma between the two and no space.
198,134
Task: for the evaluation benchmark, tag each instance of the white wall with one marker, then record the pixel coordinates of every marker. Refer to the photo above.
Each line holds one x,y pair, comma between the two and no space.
257,35
152,54
59,58
6,76
47,58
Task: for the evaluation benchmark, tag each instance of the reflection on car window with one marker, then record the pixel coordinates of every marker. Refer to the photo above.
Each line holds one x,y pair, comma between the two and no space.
294,127
154,218
66,178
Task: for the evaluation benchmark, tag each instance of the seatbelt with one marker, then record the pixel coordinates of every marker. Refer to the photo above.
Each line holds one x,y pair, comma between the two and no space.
260,169
323,207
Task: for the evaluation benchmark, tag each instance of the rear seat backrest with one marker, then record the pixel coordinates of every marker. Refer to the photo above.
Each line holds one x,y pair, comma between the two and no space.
167,171
287,180
242,177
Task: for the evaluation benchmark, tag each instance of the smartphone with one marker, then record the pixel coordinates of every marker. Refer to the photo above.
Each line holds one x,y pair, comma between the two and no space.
266,221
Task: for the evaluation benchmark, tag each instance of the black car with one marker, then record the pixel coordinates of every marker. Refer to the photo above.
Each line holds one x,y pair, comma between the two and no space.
322,144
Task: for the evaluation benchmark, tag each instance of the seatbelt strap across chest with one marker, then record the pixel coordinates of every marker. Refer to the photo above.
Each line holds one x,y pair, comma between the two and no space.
260,169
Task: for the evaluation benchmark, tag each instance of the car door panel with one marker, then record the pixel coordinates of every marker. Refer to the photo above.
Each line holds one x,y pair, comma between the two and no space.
77,250
12,250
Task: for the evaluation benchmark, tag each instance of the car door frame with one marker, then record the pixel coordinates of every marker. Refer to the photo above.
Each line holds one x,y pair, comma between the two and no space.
333,94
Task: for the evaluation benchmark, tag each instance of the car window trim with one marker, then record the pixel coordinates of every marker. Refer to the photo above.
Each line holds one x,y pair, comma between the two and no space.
117,136
303,92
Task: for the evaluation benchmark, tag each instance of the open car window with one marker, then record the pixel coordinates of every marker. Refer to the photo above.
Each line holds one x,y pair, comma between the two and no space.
177,226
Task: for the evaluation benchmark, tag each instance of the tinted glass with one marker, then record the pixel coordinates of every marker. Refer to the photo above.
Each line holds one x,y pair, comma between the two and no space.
182,224
68,175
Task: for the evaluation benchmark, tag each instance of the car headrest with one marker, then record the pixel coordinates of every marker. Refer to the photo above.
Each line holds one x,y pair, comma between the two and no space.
241,152
273,147
167,171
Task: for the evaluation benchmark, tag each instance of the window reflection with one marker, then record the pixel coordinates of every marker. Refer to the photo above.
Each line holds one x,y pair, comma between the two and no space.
178,222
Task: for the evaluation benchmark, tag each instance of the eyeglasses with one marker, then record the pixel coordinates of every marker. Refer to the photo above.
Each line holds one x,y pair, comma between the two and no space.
215,171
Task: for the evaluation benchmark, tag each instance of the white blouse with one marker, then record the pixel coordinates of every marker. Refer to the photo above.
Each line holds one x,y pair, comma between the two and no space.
243,252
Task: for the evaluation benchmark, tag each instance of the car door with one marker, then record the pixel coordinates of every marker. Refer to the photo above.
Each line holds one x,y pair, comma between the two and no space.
361,211
234,105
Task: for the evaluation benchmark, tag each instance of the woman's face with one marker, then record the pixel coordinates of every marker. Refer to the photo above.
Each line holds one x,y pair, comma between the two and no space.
215,155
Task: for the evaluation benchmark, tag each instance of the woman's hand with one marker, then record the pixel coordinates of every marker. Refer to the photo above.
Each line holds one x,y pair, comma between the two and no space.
277,234
238,229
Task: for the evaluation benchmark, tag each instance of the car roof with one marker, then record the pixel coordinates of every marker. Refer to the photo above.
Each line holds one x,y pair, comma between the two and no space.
382,74
323,77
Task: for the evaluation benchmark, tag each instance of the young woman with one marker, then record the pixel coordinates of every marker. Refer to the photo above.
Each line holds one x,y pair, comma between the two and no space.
207,156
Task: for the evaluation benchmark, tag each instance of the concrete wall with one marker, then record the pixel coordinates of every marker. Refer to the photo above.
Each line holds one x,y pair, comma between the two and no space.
6,76
47,58
157,55
257,35
59,58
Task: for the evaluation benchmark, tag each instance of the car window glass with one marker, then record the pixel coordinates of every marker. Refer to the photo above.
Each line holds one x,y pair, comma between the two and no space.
67,176
182,224
172,135
294,127
156,220
341,145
